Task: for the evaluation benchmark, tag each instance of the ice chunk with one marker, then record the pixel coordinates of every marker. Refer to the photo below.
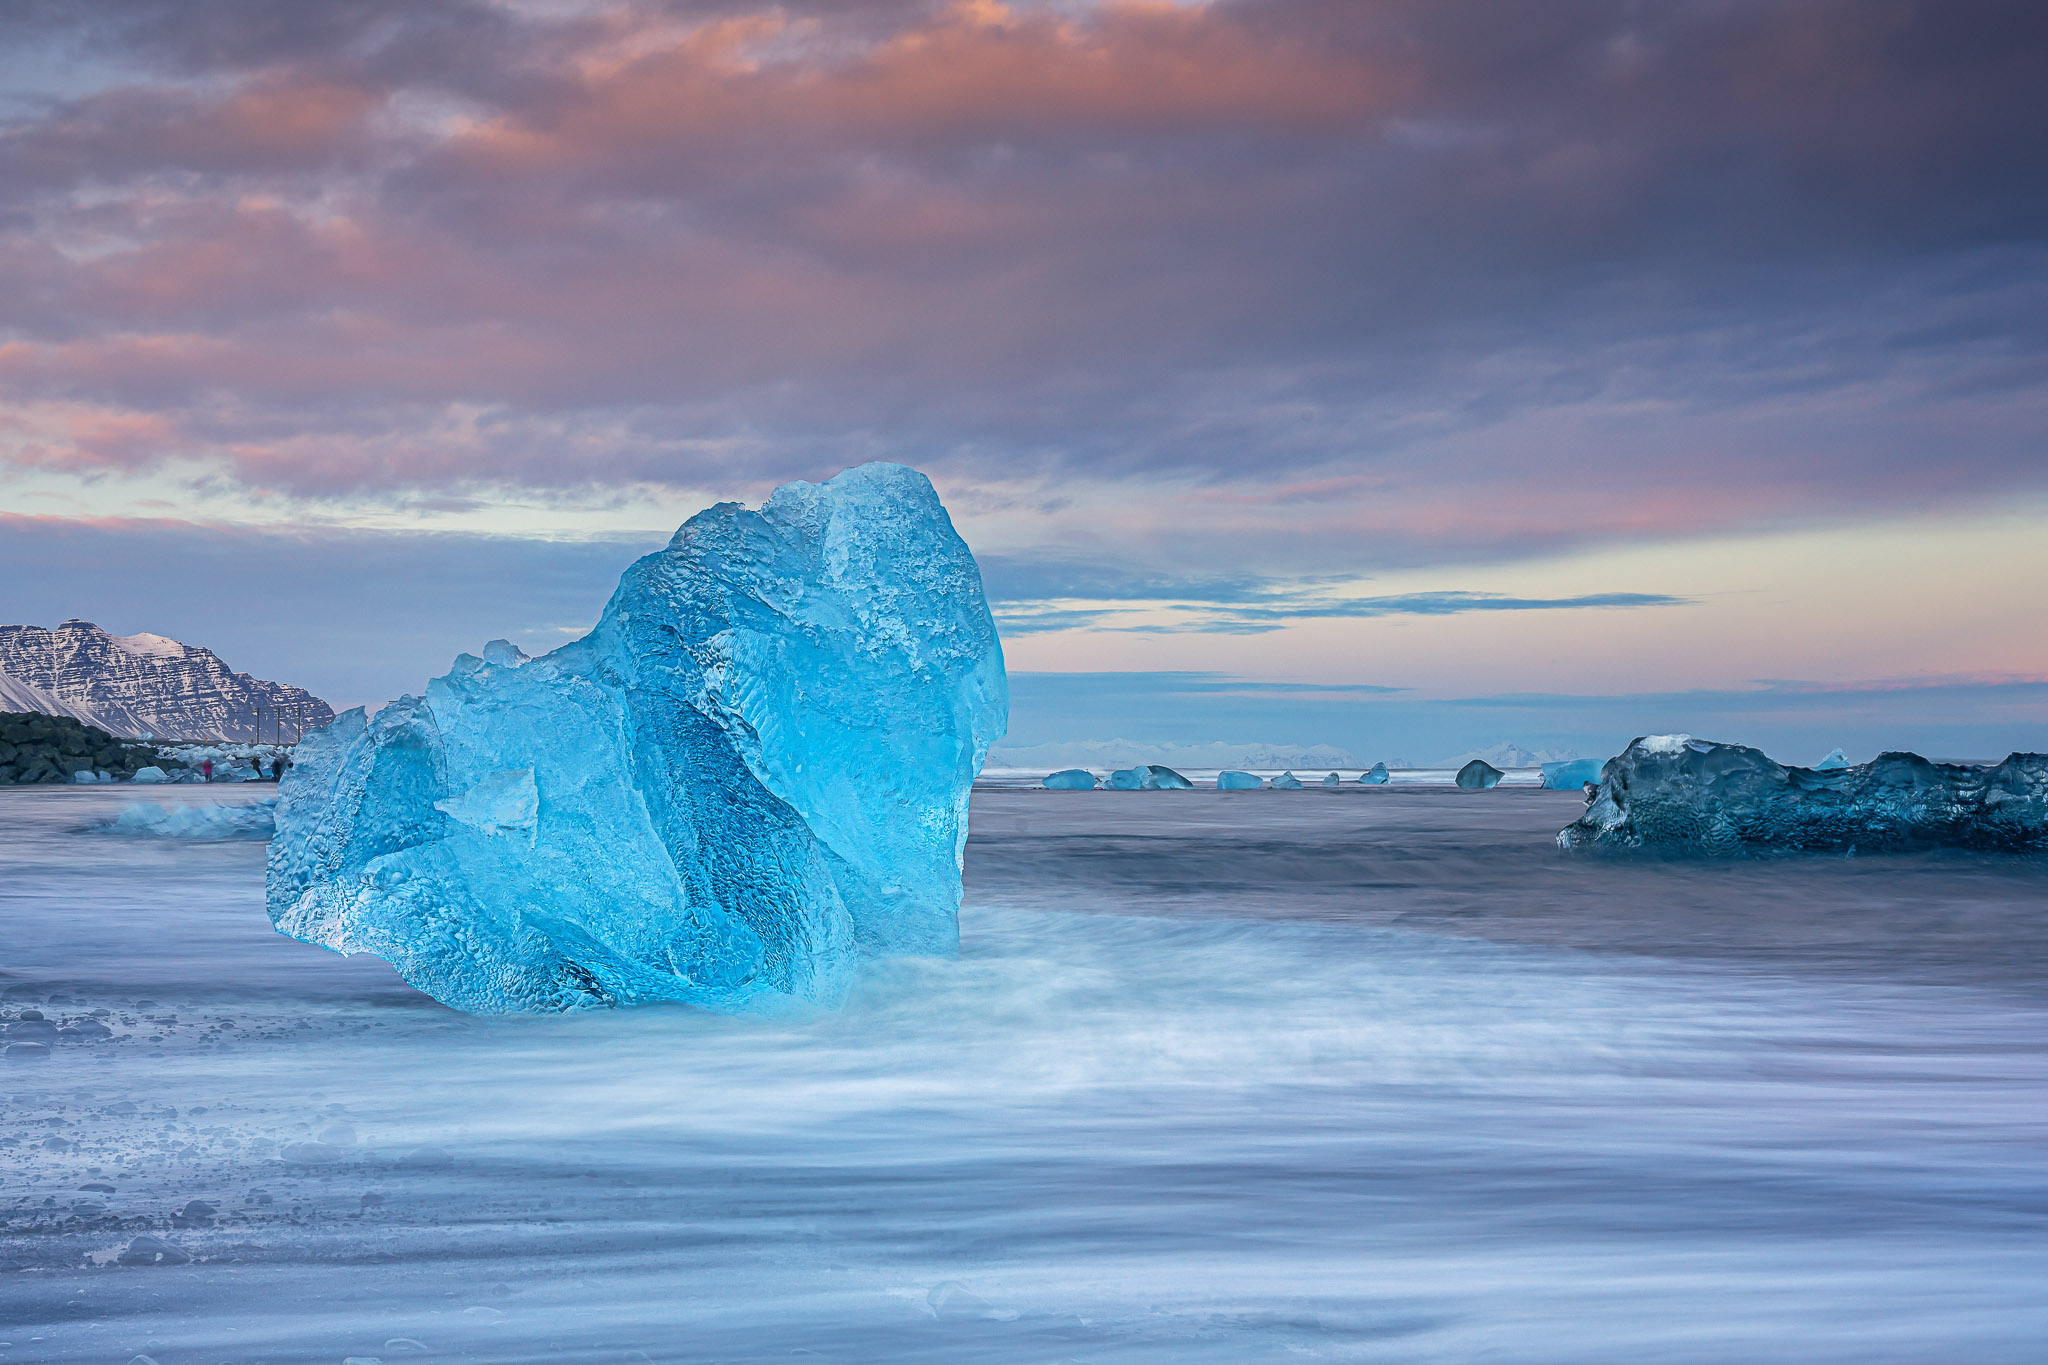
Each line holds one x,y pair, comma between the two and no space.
195,820
504,654
1150,777
1287,782
1571,775
1231,780
1332,780
1375,776
1479,775
149,775
1725,799
1835,759
751,775
1126,780
85,776
1071,780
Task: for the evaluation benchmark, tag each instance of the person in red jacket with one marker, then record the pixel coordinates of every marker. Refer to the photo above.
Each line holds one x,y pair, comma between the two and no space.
206,770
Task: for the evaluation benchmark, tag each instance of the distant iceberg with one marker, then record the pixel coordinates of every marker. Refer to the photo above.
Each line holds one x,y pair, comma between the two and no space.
1375,776
1287,782
1686,795
1572,774
1835,759
1104,754
1332,780
1479,775
1230,780
750,776
1071,780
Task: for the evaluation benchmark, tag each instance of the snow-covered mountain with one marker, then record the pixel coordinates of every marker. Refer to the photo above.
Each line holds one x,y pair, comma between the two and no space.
1122,753
137,685
1507,754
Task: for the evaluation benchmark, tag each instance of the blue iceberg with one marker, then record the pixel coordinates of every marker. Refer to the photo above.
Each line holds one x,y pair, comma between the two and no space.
749,777
1479,775
1332,780
1287,782
1693,796
1571,775
1149,777
1835,759
1231,780
1375,776
1071,780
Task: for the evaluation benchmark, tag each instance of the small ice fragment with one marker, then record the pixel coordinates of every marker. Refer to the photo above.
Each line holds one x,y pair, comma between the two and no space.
1835,759
405,1344
951,1301
152,1250
84,777
426,1159
1287,782
1333,781
198,1211
1071,780
1231,780
1158,778
1375,776
1479,775
1571,775
146,776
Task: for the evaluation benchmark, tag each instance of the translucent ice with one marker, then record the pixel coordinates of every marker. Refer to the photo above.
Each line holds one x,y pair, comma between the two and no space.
1690,795
1572,774
1375,776
195,820
752,774
1332,780
1835,759
1231,780
1071,780
1479,775
1287,782
1148,777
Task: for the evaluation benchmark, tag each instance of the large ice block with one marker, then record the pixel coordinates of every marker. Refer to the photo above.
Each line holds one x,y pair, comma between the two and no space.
1479,775
1234,780
1686,795
752,774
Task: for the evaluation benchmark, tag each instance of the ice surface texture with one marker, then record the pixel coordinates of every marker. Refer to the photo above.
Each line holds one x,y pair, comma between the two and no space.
752,774
1071,780
1479,775
1690,795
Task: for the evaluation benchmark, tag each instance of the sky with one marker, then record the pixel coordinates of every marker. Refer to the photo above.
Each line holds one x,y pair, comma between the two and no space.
1405,375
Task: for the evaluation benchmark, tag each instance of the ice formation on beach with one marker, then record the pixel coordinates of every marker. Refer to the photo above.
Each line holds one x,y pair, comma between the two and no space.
1572,774
1071,780
1287,782
1690,795
1147,777
1375,776
1479,775
196,820
1332,780
752,774
1231,780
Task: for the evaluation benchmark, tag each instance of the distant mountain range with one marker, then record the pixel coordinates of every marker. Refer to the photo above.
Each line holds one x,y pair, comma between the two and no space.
1505,755
1122,753
146,685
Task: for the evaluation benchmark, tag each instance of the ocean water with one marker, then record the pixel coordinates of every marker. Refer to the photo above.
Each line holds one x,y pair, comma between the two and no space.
1361,1075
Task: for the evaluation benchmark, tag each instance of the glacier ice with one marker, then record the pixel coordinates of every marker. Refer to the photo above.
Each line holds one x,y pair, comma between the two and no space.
1287,782
1147,777
1071,780
1835,759
752,774
1231,780
1686,795
195,820
1572,774
1479,775
1375,776
1332,780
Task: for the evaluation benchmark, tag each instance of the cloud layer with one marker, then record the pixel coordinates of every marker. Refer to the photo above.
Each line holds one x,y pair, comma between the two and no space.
1349,281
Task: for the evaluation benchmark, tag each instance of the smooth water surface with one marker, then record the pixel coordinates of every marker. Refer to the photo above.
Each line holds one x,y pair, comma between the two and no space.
1217,1077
